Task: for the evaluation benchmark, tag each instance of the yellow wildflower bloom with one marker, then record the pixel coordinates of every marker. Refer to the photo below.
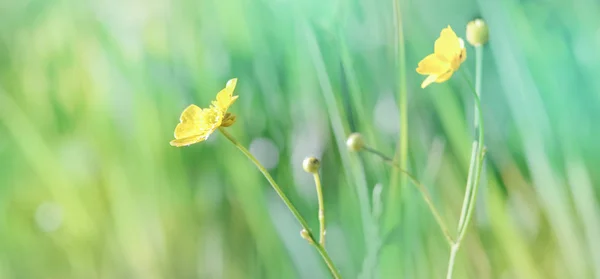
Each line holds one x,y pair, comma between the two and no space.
448,53
197,124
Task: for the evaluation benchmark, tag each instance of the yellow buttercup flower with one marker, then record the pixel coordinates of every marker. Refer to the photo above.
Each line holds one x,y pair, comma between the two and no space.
197,124
448,53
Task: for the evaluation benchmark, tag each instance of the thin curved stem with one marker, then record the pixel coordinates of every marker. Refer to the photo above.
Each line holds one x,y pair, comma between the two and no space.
475,167
287,202
480,147
321,209
469,186
421,188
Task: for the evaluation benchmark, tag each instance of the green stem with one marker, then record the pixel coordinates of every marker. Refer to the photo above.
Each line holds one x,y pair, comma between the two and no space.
453,252
475,166
287,202
469,187
321,209
421,188
478,70
479,156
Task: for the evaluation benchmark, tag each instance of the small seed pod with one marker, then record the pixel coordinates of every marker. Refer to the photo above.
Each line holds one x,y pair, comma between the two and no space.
355,142
477,32
311,165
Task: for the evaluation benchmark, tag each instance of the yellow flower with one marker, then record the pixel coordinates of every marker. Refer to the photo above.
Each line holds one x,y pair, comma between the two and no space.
448,53
196,124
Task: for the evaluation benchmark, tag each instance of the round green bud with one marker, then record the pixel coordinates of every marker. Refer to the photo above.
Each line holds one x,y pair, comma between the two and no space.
311,165
477,32
355,142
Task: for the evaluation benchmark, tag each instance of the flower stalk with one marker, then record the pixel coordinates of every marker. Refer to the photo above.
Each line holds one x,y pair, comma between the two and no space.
312,165
476,165
421,188
321,209
305,229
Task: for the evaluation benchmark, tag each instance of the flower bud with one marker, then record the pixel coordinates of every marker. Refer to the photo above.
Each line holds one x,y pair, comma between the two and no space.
311,165
355,142
477,32
306,235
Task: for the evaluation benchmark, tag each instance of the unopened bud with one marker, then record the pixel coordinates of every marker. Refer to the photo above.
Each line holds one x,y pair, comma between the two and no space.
306,235
311,165
355,142
477,32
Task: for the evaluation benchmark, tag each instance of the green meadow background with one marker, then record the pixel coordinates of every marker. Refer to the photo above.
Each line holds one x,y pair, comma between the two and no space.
90,92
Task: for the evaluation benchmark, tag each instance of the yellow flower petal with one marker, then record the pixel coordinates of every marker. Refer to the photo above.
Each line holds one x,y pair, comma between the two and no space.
225,97
191,114
186,141
444,77
189,129
429,80
192,122
231,84
447,46
437,78
432,64
196,123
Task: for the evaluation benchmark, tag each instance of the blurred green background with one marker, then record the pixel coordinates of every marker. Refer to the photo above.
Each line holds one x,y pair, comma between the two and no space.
90,92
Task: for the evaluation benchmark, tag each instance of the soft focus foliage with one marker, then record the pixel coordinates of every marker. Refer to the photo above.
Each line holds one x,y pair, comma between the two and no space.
90,92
